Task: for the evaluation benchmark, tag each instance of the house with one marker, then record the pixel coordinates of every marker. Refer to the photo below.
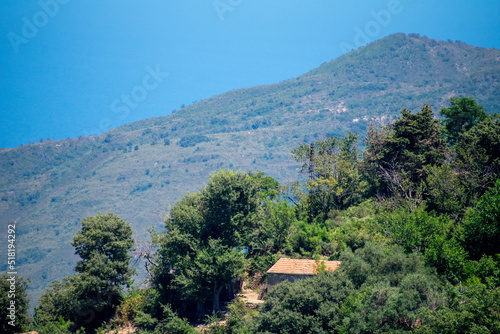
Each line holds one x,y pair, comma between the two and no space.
295,269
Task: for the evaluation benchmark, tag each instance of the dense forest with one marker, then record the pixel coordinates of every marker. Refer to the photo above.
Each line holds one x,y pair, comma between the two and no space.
414,216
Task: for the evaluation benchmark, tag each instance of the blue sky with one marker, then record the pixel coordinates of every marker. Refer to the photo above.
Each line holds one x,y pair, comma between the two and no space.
71,68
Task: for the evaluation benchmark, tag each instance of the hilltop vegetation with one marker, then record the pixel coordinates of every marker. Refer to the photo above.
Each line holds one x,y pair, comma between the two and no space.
138,170
414,220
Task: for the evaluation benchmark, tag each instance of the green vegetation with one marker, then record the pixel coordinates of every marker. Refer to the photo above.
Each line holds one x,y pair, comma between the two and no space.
91,296
51,186
189,141
14,317
202,252
482,225
375,290
336,181
418,246
462,115
416,193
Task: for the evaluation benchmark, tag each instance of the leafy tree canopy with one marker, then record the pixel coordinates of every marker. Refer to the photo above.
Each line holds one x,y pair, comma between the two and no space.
461,116
478,157
103,244
14,317
206,232
482,225
401,155
91,295
336,181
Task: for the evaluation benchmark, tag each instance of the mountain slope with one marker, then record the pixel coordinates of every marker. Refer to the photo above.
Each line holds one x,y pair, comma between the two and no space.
139,169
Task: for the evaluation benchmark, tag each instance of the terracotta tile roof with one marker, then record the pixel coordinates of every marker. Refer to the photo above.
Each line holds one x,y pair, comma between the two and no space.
301,267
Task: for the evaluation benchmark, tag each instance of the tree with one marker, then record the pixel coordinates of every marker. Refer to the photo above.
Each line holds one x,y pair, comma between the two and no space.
445,192
477,161
91,295
104,244
461,116
172,324
201,252
336,181
58,302
279,217
433,236
482,225
401,154
212,268
375,141
230,208
306,306
14,317
60,326
416,142
476,310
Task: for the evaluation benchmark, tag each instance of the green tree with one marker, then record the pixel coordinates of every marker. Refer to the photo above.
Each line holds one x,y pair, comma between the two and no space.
306,306
213,268
375,141
91,295
482,225
60,326
172,324
206,233
433,236
104,244
336,181
477,161
230,208
401,154
461,116
446,195
268,187
58,302
475,310
14,317
279,219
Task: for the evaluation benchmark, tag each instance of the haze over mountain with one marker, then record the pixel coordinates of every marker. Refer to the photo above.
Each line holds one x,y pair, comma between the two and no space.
136,171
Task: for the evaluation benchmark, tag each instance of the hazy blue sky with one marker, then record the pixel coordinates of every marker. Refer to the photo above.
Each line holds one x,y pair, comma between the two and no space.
71,67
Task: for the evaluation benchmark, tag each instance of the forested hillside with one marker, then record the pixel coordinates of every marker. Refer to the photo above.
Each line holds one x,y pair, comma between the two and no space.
140,170
414,219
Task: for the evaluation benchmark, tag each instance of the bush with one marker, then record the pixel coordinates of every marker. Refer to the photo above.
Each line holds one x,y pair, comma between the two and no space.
172,324
58,327
190,141
375,289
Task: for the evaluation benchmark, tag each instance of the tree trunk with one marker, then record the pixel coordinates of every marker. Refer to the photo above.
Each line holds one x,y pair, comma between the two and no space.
200,312
230,291
216,306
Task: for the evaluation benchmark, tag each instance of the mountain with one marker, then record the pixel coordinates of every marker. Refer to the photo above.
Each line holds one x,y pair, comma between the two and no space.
136,171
